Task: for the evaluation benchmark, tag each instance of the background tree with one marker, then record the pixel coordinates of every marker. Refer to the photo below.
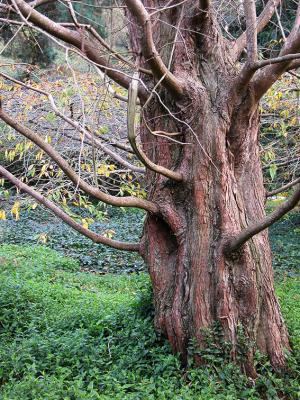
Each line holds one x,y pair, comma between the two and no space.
205,240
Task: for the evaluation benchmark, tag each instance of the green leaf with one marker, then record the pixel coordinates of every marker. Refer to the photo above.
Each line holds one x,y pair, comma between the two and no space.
273,171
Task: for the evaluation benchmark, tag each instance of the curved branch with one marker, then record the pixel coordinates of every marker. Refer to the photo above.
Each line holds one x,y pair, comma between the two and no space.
132,97
236,242
270,74
112,52
66,218
283,188
68,170
76,39
151,54
261,22
249,70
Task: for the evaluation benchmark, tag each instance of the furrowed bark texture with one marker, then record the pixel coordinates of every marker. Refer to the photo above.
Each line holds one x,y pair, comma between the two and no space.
195,283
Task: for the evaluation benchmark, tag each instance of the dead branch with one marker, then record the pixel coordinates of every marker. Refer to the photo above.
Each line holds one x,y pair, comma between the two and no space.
132,97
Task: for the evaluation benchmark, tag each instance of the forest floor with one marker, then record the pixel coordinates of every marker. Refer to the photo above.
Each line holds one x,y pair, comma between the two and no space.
66,333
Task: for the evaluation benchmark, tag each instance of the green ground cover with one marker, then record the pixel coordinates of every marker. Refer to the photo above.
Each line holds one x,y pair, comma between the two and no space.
71,335
35,224
67,334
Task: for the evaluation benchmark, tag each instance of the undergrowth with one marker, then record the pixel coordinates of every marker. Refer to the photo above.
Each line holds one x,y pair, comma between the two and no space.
38,226
66,334
41,227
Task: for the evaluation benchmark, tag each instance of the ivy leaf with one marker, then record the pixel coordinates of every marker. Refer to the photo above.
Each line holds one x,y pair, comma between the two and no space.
50,117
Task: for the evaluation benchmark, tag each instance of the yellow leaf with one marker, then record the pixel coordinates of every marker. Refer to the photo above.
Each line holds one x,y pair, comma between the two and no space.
15,211
2,215
39,155
85,223
102,169
43,170
43,237
109,233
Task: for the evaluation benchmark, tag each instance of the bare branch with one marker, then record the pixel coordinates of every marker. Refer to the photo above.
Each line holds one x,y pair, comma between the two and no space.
132,97
112,52
259,226
38,3
72,13
261,22
289,161
152,56
283,188
293,65
248,69
280,25
115,53
66,168
66,218
264,63
251,30
271,73
170,4
76,39
85,131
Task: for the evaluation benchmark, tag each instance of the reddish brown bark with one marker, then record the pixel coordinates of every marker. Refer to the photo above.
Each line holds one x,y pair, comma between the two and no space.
195,282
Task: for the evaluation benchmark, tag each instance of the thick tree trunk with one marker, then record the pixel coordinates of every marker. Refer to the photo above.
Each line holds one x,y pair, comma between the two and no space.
196,283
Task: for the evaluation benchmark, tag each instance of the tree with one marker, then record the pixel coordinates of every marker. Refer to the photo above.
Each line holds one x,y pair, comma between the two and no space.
205,239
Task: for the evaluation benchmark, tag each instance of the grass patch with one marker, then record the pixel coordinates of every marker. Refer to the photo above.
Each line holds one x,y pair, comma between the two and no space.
66,334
